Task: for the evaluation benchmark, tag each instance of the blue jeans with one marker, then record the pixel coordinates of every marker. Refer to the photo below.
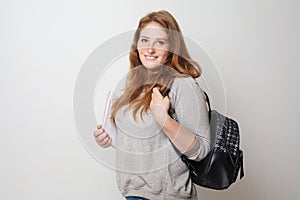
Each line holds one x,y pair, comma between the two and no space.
135,198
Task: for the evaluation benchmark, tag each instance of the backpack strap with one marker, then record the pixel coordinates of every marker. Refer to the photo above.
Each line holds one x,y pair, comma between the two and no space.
242,164
208,103
168,88
207,100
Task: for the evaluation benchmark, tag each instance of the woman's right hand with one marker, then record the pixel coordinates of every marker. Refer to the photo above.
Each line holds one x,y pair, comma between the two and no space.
101,137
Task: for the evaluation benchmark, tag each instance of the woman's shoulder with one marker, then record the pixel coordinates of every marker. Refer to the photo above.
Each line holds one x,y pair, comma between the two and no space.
186,91
183,83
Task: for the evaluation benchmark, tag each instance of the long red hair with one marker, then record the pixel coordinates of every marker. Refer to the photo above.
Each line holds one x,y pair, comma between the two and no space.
138,81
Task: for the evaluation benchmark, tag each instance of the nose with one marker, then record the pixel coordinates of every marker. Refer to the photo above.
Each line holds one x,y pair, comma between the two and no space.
151,49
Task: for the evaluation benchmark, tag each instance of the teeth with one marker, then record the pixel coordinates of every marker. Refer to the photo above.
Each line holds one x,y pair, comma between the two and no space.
150,57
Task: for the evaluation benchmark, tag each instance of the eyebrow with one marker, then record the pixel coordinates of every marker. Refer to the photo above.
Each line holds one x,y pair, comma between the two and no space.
143,36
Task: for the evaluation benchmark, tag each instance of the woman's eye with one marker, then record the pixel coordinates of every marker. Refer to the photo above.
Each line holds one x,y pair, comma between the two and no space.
144,40
160,43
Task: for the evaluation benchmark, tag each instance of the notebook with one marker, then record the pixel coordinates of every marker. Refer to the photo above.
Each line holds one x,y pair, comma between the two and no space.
107,124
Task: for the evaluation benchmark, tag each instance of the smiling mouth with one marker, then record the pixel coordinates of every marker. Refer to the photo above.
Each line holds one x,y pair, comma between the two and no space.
150,57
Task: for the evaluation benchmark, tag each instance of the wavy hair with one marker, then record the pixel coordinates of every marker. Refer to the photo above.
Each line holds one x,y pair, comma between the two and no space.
138,81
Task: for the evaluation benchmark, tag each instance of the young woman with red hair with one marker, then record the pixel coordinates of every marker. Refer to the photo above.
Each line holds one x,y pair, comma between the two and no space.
149,141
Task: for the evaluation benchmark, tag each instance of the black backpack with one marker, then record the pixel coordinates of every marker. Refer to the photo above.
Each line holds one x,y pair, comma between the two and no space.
220,168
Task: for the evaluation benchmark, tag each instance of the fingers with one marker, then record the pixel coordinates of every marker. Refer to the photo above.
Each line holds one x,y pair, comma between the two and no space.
155,91
158,98
156,95
107,144
101,137
159,106
98,132
104,141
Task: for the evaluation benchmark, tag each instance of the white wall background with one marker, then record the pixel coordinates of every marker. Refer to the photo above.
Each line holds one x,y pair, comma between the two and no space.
254,44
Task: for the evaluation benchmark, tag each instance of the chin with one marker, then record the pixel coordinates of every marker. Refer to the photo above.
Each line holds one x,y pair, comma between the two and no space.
152,66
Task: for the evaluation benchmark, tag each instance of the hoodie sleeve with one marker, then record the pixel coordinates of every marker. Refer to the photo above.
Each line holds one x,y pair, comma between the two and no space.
188,102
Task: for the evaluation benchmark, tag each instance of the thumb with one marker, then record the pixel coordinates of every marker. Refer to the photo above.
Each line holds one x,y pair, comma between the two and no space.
156,91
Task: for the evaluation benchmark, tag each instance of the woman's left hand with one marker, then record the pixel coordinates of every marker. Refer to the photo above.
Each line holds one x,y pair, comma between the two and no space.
159,106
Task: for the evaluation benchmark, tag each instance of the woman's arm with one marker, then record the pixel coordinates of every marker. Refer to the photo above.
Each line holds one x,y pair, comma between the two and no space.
190,134
181,137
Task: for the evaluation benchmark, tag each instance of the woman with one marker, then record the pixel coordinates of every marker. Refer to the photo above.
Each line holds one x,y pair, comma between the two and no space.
150,140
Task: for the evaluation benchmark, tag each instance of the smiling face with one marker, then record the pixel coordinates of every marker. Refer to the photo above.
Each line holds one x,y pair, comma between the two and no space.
153,46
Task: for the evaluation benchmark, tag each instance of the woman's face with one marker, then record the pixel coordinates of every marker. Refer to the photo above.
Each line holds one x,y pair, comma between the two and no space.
153,46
